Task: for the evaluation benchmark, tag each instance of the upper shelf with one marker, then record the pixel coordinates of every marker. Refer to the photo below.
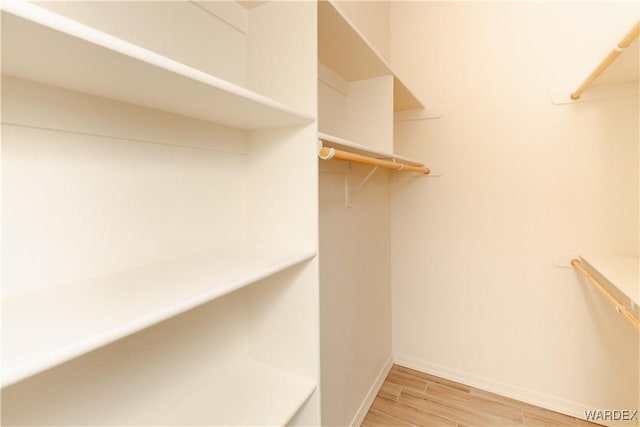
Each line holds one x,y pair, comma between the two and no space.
42,46
353,147
346,51
621,273
45,328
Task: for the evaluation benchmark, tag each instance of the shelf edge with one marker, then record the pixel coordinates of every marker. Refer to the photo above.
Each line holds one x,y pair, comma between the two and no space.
593,262
69,352
80,31
331,139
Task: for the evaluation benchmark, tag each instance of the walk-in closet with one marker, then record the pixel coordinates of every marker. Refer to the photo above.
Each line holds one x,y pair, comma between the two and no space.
320,213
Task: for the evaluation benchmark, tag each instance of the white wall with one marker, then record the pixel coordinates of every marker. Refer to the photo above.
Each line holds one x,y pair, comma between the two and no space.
475,296
355,259
364,115
88,189
355,289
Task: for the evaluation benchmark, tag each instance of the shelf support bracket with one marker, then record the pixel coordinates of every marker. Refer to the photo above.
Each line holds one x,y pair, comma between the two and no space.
349,193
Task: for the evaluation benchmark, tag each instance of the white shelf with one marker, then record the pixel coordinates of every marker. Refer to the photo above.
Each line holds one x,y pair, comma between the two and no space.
353,147
42,46
621,273
46,328
249,394
346,51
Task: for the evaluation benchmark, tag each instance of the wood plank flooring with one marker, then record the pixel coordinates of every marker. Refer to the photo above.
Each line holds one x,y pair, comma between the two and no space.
411,398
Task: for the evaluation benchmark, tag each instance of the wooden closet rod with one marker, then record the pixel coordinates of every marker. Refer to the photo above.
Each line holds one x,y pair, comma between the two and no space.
624,311
327,153
620,47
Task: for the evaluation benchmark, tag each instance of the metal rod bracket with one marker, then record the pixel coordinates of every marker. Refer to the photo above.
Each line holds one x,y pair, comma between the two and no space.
349,193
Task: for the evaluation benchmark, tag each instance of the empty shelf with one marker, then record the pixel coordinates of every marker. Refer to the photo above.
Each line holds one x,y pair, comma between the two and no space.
353,147
45,328
346,51
42,46
249,394
621,273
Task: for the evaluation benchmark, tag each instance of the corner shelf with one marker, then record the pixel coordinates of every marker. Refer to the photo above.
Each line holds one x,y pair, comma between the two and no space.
346,51
353,147
616,76
274,397
48,327
621,274
61,52
620,66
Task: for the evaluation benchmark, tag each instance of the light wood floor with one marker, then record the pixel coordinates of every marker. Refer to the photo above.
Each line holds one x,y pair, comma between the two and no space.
411,398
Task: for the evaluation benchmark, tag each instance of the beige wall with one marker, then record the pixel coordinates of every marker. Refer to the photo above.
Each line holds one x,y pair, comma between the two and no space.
475,296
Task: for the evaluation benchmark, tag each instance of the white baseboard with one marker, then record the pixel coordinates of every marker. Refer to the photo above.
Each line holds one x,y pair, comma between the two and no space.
373,392
534,398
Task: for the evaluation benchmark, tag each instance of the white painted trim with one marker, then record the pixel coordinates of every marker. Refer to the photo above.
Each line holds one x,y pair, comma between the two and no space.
373,392
419,114
553,403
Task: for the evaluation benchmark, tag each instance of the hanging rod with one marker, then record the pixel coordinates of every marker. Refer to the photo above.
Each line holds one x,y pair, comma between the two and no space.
327,153
620,47
620,308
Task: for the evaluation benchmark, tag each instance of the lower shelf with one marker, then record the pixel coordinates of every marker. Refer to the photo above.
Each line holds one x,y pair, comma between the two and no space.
251,393
45,328
241,392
